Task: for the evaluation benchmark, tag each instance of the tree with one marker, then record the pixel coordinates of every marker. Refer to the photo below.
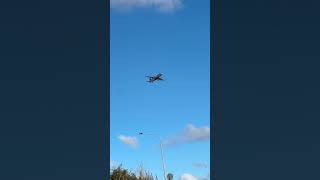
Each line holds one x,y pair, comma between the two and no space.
120,173
144,175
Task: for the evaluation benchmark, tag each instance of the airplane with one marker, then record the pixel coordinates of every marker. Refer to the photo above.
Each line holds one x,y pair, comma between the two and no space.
155,78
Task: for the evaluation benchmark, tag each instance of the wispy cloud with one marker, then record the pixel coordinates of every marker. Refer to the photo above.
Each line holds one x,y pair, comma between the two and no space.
190,134
187,176
128,140
200,165
161,5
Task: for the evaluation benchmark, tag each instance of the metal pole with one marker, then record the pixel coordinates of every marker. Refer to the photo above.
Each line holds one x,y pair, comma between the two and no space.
163,166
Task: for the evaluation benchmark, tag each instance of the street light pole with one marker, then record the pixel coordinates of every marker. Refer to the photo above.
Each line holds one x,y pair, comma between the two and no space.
163,166
161,149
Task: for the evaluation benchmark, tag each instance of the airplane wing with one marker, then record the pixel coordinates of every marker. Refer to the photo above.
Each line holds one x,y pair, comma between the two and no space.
161,79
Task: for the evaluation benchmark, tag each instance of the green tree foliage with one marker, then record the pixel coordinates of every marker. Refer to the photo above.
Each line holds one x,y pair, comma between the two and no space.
120,173
144,175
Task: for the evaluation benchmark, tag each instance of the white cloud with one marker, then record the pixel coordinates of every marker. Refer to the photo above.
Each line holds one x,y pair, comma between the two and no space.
188,135
203,178
162,5
200,165
131,141
187,176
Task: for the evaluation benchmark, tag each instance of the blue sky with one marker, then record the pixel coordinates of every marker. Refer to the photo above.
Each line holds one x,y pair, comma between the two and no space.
172,37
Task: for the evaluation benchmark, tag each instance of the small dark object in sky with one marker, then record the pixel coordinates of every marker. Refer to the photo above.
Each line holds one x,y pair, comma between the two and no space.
155,78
